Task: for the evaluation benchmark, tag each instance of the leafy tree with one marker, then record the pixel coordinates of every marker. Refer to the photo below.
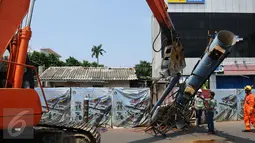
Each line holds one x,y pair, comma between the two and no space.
44,60
100,65
86,63
39,59
97,51
143,70
61,63
94,64
53,60
71,61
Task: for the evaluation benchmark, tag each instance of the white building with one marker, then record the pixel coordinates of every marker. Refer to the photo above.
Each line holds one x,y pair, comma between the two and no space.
48,51
193,20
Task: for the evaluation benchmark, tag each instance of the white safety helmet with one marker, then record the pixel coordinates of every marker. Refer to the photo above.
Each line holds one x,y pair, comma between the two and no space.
199,90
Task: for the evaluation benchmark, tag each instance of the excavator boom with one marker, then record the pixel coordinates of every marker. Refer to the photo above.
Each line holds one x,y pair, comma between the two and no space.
12,12
159,10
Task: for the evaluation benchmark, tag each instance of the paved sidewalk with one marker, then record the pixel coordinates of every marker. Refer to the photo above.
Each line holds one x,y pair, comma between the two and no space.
226,132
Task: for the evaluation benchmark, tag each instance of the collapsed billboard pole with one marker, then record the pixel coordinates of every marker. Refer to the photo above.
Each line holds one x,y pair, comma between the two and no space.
177,113
214,55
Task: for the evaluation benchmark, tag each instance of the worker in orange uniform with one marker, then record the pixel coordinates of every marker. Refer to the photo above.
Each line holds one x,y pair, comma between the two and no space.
248,109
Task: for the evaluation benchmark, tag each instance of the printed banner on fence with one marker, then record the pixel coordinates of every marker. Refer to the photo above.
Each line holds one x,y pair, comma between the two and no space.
100,104
124,107
58,100
130,106
228,105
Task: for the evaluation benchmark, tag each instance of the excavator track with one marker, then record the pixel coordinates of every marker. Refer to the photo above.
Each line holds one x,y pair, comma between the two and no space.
66,132
61,132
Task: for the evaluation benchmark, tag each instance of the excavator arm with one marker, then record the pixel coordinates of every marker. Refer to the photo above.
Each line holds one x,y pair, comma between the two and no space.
12,12
159,10
173,60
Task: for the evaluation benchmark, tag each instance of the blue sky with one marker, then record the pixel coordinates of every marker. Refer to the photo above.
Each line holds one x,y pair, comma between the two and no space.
72,27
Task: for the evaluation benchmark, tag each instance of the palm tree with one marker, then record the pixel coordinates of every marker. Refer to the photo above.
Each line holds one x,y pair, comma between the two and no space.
97,51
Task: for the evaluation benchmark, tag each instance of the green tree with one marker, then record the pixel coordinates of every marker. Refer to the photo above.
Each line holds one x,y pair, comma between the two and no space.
97,51
94,64
71,61
100,65
143,70
39,59
61,63
53,60
86,63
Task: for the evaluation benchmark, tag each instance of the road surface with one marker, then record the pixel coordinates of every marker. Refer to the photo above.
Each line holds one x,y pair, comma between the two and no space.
227,132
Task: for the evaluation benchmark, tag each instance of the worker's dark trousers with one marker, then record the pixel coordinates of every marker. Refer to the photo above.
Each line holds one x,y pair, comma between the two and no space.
210,123
198,116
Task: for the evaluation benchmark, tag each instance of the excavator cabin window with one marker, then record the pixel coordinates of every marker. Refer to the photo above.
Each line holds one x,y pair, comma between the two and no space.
3,69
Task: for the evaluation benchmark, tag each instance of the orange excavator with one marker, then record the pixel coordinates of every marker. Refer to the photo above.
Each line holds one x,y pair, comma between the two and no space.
21,109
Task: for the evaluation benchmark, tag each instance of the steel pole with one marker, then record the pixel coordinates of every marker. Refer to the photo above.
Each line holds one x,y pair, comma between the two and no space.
30,13
166,92
217,51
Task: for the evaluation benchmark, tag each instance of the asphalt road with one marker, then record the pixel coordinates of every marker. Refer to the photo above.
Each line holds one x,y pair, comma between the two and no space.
226,132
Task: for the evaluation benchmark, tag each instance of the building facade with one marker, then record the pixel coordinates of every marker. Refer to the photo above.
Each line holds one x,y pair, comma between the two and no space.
193,21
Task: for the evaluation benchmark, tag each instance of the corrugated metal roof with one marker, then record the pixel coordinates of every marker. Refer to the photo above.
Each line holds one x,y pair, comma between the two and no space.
86,74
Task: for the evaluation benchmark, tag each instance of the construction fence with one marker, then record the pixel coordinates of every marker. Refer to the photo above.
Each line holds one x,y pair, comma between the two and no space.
125,107
229,103
114,107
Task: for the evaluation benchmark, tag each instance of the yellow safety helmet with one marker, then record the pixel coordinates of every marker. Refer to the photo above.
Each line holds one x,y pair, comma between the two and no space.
248,87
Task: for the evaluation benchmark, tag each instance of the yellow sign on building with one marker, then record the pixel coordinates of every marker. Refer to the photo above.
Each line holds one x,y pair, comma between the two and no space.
187,1
177,1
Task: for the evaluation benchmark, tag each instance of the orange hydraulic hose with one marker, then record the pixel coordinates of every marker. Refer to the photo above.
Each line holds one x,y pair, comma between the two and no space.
22,55
13,58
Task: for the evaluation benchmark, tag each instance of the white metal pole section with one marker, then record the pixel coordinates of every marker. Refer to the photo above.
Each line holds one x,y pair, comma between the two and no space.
30,13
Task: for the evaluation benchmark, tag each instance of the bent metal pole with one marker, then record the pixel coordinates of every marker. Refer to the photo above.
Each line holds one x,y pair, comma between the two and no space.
167,91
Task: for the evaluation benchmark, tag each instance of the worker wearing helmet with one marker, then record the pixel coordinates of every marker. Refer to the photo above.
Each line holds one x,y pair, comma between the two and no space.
248,109
199,106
